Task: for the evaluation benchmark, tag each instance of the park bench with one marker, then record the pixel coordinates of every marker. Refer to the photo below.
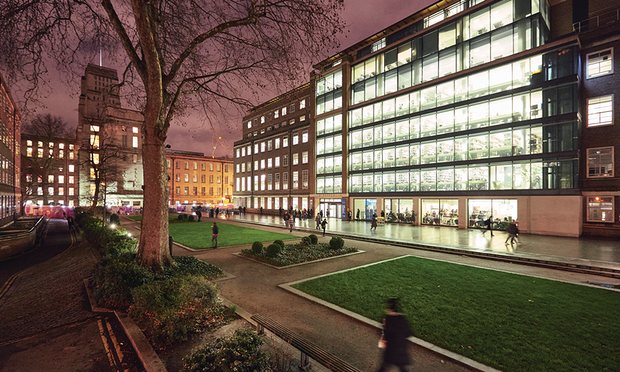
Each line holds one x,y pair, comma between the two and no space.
307,348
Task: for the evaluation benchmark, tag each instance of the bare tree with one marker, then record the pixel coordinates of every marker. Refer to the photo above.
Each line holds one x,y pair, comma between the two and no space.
101,162
185,54
38,166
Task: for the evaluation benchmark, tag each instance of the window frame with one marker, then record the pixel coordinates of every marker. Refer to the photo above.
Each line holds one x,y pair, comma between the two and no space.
612,162
588,111
588,76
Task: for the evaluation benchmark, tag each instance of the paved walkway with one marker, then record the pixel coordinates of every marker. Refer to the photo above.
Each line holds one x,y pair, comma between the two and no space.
45,324
595,252
254,287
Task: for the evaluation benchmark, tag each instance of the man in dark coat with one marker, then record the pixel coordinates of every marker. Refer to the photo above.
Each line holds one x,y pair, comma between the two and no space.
394,339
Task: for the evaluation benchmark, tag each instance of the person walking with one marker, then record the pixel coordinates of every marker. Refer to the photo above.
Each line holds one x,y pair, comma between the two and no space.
512,230
199,213
214,234
323,225
318,221
489,224
393,340
373,223
357,214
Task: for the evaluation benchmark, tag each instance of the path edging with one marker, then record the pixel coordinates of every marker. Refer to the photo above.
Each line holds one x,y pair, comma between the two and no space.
417,341
239,254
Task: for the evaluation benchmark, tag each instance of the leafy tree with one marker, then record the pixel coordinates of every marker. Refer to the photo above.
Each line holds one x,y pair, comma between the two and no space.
186,54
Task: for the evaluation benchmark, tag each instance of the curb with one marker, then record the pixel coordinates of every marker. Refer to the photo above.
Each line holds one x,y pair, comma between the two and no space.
460,359
148,357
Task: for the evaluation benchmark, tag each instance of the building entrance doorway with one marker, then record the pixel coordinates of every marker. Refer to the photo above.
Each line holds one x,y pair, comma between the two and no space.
331,208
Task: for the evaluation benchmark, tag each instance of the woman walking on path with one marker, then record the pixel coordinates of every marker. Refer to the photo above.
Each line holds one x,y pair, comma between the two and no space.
394,338
214,233
317,219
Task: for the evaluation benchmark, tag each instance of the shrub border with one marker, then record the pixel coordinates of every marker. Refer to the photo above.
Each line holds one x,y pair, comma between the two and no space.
239,254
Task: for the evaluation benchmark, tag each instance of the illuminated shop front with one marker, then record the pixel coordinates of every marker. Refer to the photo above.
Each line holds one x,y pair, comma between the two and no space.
600,209
398,210
502,211
364,208
439,212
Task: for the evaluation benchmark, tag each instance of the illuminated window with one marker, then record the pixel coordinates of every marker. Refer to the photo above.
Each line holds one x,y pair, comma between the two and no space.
262,119
29,143
600,111
134,130
71,179
71,168
134,142
94,128
29,152
283,111
61,178
302,104
249,124
600,63
304,136
601,209
295,158
304,157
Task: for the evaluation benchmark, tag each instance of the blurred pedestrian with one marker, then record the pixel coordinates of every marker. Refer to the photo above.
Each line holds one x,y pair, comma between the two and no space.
214,234
318,221
324,225
489,224
512,231
394,338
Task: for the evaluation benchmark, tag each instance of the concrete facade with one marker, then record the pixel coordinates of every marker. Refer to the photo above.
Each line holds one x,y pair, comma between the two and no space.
113,134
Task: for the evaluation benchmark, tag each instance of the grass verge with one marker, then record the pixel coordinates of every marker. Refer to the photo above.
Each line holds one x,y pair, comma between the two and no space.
507,321
198,235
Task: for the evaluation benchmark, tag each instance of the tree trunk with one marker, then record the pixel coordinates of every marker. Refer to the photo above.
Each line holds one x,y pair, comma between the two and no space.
95,200
153,250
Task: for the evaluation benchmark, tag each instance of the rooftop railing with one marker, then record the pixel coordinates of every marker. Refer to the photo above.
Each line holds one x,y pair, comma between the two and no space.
606,18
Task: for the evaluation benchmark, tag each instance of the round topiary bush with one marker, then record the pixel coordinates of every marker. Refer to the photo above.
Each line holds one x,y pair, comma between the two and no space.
306,241
336,243
279,242
313,239
257,248
190,218
273,250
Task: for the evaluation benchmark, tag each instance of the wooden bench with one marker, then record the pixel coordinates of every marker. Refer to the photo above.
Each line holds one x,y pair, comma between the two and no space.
307,348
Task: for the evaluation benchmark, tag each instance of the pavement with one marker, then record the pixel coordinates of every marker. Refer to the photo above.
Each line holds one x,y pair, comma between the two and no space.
254,287
46,323
591,251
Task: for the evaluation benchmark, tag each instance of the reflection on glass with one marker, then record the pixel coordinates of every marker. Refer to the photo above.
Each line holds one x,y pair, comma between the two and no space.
428,180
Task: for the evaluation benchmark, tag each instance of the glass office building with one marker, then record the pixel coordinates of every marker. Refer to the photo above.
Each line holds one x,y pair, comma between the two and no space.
449,118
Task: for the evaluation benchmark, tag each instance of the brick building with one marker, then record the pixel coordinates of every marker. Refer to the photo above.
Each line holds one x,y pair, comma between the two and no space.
49,171
196,179
274,162
10,123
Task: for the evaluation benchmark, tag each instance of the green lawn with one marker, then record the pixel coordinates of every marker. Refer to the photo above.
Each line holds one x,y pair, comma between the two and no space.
510,322
198,234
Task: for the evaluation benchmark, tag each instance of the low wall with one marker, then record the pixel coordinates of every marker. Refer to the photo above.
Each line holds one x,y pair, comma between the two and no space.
20,236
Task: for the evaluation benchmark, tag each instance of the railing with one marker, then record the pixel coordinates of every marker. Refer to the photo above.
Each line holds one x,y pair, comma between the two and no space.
24,234
604,19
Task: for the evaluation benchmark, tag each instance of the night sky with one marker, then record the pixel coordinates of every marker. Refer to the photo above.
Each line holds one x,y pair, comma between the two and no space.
363,17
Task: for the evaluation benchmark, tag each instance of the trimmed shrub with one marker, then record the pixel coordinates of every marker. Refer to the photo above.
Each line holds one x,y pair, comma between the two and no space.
171,310
188,265
273,250
182,217
114,218
336,243
257,248
241,352
116,277
279,242
313,239
190,217
306,241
